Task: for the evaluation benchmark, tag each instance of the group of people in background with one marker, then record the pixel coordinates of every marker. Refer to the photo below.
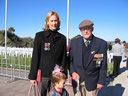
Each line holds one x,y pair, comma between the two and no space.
87,59
120,53
125,49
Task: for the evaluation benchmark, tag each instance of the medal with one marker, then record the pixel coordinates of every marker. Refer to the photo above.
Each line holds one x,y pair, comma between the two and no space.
98,58
47,46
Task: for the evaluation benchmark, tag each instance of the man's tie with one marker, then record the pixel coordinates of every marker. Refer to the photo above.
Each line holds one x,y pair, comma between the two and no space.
86,43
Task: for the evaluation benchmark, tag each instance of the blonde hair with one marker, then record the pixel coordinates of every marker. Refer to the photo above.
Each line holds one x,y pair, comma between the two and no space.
51,13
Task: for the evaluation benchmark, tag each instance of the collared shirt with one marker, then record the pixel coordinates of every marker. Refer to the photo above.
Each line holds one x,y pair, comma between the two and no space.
89,41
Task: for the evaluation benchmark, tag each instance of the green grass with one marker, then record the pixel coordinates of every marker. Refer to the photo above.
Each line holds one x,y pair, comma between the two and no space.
20,62
109,71
17,62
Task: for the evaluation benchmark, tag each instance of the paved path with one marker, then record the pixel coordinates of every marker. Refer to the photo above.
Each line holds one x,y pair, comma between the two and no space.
18,87
116,87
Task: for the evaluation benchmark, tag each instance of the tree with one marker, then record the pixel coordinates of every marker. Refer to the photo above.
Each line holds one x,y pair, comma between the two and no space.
11,29
77,36
13,40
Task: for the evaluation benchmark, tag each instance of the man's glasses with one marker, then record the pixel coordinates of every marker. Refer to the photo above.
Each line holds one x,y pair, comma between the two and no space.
85,28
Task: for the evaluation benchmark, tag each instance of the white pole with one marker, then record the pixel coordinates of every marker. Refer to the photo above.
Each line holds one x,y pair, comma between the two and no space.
67,21
6,30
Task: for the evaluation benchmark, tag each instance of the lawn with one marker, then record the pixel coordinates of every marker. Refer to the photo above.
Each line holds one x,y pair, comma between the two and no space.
109,69
16,62
23,62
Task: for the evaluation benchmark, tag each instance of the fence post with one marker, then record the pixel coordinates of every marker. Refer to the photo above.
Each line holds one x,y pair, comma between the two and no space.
13,66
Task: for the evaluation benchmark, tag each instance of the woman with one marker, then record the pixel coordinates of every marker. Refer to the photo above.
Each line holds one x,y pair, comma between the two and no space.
49,49
117,51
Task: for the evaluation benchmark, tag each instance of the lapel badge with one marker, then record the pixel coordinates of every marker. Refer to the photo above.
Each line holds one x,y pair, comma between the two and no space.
92,52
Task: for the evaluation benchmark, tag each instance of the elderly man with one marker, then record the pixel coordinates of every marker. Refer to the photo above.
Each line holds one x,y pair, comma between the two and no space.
88,60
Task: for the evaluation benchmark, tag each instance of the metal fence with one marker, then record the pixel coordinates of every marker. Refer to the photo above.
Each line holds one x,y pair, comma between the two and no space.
17,63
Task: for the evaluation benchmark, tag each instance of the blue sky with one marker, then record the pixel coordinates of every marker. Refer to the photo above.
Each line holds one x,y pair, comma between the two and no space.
110,17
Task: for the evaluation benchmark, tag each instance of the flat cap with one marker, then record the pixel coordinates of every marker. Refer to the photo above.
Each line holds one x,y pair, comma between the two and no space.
86,23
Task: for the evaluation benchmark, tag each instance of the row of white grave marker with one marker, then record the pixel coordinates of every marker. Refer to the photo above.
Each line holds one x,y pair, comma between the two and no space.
16,51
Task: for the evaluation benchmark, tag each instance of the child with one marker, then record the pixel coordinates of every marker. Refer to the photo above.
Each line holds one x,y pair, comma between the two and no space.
58,80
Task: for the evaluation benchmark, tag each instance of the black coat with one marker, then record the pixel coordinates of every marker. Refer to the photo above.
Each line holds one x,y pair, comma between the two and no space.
49,50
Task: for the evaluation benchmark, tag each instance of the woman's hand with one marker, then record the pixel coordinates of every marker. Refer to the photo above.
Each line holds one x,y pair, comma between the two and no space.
34,82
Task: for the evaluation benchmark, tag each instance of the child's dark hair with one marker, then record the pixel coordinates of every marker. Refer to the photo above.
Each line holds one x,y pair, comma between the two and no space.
57,74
